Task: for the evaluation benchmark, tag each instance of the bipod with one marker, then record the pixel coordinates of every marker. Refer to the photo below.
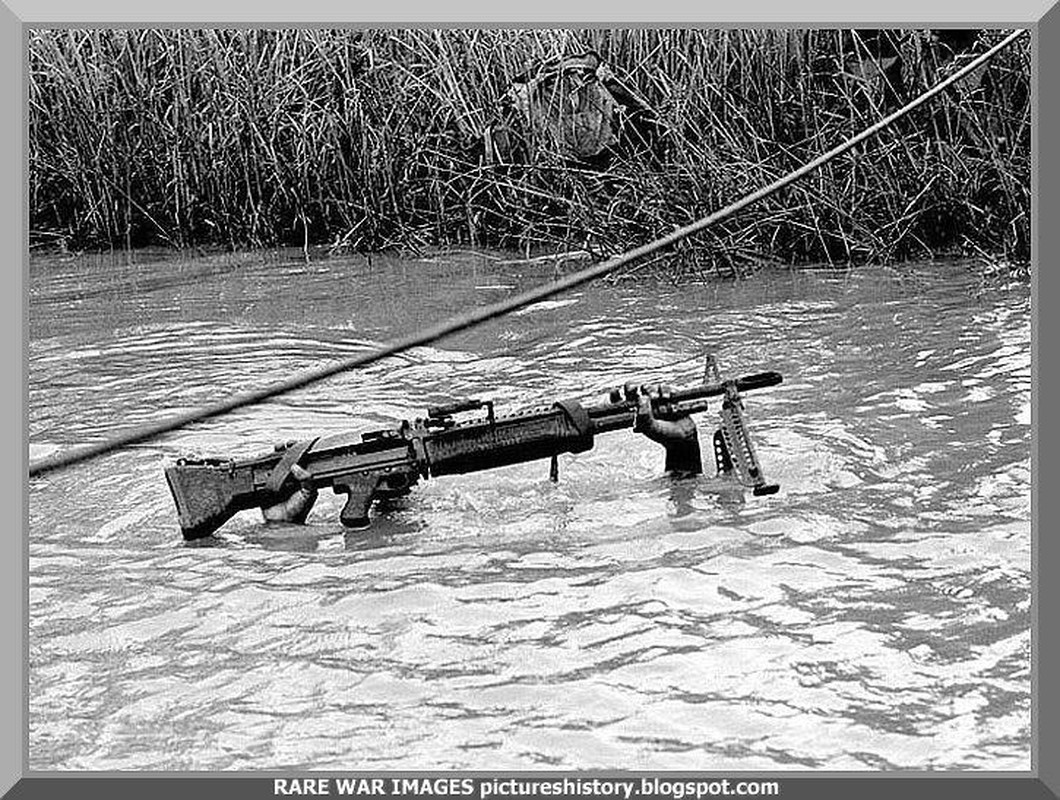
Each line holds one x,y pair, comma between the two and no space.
734,452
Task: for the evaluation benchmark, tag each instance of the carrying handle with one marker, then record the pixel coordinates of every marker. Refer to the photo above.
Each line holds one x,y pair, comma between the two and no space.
441,412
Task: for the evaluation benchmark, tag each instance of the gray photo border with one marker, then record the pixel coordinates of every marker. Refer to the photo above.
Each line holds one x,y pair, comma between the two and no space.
16,16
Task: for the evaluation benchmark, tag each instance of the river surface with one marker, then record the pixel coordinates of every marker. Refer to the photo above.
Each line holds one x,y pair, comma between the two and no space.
875,614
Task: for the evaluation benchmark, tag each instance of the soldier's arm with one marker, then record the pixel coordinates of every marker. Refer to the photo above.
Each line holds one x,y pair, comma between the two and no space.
679,437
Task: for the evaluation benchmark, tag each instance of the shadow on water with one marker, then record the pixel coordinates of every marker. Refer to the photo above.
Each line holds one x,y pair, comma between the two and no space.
873,615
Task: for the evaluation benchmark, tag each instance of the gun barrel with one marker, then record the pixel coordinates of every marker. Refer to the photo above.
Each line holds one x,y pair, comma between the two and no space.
563,428
748,383
616,416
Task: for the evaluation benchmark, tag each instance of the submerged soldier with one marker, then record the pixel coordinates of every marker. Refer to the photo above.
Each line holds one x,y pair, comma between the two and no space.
679,437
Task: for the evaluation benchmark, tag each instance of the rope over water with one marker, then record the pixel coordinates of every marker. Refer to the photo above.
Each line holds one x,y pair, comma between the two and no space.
471,319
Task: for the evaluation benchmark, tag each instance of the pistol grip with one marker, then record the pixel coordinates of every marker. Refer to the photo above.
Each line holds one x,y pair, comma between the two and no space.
360,491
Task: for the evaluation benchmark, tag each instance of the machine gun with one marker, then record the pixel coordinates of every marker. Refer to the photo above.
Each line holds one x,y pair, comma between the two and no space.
388,463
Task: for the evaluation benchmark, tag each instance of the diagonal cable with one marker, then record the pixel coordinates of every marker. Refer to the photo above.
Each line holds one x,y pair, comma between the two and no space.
470,319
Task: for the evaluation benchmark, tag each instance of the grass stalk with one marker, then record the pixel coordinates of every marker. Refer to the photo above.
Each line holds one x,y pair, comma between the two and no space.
371,138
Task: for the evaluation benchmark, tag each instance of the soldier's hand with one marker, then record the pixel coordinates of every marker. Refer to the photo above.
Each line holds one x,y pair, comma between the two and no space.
665,432
677,435
296,506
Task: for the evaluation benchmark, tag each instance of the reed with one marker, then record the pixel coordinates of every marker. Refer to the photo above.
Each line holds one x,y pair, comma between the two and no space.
370,139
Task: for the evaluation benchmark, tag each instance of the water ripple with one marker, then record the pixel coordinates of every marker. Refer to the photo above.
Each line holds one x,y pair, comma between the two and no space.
873,615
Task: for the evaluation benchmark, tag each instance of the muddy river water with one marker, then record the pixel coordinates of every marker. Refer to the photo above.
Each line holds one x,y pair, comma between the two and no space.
874,614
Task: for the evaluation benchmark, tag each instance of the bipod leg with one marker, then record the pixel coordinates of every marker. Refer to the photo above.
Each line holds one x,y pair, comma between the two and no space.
722,459
737,449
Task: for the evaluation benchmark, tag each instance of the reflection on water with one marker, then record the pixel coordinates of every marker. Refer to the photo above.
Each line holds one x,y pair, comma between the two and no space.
874,614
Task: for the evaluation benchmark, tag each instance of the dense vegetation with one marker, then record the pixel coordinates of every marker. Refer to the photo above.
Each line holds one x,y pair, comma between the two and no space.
373,139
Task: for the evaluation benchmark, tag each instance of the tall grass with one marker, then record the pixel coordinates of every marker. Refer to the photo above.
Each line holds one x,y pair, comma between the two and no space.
371,139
